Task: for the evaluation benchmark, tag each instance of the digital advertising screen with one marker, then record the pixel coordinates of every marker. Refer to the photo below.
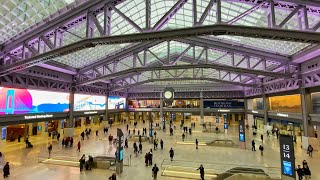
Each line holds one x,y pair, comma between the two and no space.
24,101
287,156
3,133
84,102
116,102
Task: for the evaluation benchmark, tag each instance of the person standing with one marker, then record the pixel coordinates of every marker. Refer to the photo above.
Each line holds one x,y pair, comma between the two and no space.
78,146
183,136
146,159
309,150
126,143
197,143
306,172
261,149
19,137
201,172
49,150
71,141
171,153
127,127
113,177
135,148
155,171
161,143
262,138
299,171
6,170
58,136
253,145
150,157
97,132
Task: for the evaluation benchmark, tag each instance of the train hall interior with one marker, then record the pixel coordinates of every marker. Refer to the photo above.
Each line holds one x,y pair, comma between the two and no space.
159,89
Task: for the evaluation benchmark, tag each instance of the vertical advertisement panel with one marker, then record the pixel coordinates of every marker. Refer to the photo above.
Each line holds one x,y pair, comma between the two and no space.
287,156
242,134
217,119
225,121
3,133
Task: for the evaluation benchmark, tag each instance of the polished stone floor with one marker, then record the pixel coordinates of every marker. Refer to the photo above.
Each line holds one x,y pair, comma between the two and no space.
24,162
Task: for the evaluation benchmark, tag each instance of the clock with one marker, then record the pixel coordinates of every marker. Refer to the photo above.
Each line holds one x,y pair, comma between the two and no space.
168,94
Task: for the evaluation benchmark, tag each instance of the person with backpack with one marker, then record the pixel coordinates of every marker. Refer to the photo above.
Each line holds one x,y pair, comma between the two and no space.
309,150
306,172
155,171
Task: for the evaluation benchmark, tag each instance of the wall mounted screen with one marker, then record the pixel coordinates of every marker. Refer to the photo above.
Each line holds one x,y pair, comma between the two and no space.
24,101
84,102
289,103
116,102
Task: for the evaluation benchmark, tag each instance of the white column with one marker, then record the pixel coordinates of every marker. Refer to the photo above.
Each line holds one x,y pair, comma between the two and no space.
201,108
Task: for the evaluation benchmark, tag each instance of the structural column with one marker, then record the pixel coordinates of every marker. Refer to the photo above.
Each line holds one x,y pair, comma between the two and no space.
306,108
246,110
69,125
106,116
161,109
265,111
201,108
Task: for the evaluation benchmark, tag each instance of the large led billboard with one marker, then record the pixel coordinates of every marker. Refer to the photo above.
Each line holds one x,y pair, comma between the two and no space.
116,102
83,102
24,101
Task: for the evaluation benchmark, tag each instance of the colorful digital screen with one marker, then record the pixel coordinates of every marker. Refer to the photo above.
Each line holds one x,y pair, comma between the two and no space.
24,101
287,168
84,102
241,137
121,154
116,102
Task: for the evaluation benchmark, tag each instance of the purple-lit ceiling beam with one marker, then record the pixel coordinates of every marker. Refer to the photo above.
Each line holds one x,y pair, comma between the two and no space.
174,9
265,33
290,16
181,55
244,14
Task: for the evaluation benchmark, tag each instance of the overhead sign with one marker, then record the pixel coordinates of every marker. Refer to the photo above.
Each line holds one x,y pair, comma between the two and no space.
287,156
222,104
242,134
90,112
39,116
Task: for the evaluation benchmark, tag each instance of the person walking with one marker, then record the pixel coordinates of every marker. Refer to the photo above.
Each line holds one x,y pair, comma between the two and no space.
309,150
150,157
146,159
306,172
71,141
97,132
201,168
82,162
127,127
253,145
261,149
62,142
299,171
78,146
161,143
197,143
183,136
113,177
140,148
58,136
171,153
261,137
49,150
126,143
6,170
155,171
135,148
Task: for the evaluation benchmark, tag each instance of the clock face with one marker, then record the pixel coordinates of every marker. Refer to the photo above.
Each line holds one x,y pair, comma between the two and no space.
168,94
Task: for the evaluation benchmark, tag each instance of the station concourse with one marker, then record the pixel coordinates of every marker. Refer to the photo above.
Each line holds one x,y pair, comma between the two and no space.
230,86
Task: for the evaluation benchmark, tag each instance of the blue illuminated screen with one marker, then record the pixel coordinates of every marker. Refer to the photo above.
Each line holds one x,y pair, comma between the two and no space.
287,168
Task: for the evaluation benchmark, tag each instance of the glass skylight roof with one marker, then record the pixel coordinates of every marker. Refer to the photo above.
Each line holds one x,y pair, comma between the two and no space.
18,15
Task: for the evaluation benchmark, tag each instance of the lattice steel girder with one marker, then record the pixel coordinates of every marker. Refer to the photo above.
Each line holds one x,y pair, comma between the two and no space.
206,94
311,79
128,86
265,33
191,66
39,83
91,90
234,47
119,55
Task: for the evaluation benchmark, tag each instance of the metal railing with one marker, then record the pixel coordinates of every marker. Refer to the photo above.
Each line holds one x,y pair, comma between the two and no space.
168,166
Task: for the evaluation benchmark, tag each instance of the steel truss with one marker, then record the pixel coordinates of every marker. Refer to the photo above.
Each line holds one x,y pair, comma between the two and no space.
188,95
46,41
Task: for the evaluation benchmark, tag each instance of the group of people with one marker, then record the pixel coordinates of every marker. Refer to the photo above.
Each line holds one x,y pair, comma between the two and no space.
87,133
303,171
148,158
87,164
67,142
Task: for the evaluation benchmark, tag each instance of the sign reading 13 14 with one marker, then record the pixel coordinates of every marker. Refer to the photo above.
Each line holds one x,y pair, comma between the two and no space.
287,156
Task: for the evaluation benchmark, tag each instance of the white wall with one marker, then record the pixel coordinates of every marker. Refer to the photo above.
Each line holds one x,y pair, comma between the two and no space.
250,103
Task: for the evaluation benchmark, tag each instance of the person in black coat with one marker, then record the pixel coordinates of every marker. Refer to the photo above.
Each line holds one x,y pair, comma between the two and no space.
306,172
300,172
113,177
6,170
171,152
201,171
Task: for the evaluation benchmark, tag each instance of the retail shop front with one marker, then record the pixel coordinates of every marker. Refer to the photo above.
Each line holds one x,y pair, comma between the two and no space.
286,123
31,124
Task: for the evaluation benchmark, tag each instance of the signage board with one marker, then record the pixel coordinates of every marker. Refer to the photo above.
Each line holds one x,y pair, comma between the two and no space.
84,102
225,121
222,104
242,134
40,116
287,156
116,102
3,133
